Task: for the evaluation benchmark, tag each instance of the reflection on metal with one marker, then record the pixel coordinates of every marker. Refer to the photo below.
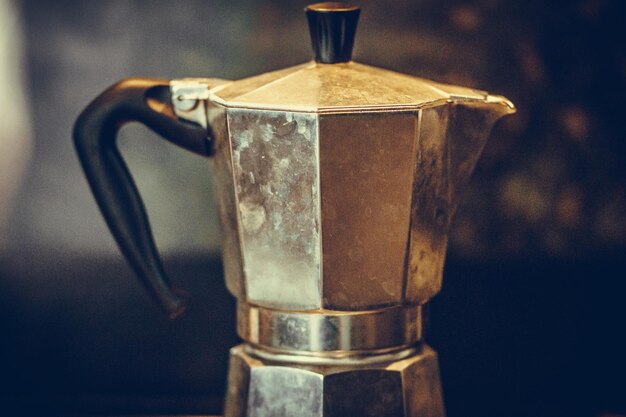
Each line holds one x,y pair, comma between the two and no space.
339,357
330,331
221,164
309,207
270,386
276,174
189,97
340,88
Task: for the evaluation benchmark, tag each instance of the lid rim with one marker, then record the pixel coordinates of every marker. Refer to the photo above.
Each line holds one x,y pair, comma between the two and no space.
327,7
400,108
345,87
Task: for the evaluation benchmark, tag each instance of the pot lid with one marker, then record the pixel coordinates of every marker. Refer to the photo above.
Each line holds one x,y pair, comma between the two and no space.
333,83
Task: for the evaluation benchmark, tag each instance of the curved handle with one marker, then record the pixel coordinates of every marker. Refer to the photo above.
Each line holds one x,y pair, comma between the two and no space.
147,101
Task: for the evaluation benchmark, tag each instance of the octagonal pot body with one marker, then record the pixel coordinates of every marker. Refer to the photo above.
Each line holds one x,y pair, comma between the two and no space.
339,211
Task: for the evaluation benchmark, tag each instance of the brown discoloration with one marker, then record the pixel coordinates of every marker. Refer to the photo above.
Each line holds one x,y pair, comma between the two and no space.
366,162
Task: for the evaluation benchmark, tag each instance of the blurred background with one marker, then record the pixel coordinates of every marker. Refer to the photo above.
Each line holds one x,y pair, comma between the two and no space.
531,318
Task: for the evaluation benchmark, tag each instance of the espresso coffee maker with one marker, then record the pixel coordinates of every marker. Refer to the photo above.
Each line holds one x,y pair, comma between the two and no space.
337,183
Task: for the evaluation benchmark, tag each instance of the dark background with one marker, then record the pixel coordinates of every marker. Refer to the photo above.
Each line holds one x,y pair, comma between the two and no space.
531,318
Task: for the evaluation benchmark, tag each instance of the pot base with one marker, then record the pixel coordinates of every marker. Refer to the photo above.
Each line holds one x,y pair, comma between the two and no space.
408,386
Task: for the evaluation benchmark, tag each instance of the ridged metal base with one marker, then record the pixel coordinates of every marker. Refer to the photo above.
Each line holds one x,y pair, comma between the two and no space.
401,384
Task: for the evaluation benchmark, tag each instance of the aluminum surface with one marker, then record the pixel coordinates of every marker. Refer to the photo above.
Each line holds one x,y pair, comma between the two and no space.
276,177
346,359
189,98
405,387
341,87
329,331
366,166
222,170
346,212
279,391
451,139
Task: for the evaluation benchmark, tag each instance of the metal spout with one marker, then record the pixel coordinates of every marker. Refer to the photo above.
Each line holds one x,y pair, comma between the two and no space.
469,128
451,139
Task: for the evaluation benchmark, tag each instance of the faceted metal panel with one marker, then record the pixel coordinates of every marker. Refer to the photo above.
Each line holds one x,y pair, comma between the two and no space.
408,386
238,385
451,139
221,163
281,391
276,178
343,211
372,393
430,208
367,163
422,389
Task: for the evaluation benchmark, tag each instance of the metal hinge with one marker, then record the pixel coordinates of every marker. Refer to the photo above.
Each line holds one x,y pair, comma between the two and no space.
189,98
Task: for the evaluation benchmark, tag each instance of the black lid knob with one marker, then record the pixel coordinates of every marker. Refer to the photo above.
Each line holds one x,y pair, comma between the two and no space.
332,27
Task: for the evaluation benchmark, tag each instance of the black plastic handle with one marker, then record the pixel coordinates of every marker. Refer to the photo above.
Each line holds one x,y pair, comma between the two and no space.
147,101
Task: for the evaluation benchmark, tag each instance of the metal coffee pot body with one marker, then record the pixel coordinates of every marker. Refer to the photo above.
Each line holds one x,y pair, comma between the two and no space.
337,183
338,205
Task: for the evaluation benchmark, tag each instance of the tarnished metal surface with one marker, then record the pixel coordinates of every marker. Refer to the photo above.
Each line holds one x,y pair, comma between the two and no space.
276,177
421,385
222,168
337,215
341,87
278,391
238,385
407,387
366,167
344,212
431,206
328,331
364,392
450,141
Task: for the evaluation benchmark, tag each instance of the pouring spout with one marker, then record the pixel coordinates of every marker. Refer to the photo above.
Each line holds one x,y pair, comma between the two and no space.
501,105
451,141
469,127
